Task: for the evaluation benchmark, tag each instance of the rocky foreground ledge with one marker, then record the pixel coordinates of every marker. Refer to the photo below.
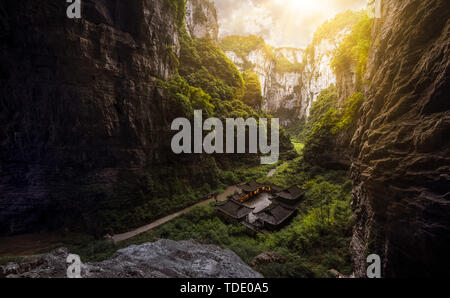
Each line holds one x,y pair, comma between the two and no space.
160,259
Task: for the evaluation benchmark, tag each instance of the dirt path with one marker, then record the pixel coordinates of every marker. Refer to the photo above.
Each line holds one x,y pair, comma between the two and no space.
121,237
222,197
30,244
273,171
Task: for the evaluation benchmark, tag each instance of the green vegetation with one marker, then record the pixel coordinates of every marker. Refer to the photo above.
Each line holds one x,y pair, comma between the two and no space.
244,173
138,200
163,190
184,98
178,8
297,131
207,81
252,96
350,108
327,120
332,28
242,46
204,65
315,241
283,65
353,52
298,147
330,31
199,15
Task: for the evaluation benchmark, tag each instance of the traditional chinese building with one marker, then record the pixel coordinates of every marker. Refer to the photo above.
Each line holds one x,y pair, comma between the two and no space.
252,189
275,216
282,207
291,197
233,211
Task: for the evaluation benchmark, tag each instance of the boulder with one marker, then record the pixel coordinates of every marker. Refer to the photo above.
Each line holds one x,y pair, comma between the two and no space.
160,259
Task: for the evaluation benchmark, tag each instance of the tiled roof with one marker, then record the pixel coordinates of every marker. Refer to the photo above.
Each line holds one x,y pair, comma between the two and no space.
276,187
293,193
233,209
275,214
250,186
287,204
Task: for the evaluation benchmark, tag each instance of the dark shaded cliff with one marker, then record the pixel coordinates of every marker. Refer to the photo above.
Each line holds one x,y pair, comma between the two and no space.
401,149
79,106
86,108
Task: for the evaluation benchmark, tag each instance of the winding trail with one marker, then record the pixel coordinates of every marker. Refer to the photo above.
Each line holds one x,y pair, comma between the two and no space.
222,197
31,244
121,237
273,171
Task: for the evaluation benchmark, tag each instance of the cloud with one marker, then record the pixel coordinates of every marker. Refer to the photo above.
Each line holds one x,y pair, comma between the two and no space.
279,22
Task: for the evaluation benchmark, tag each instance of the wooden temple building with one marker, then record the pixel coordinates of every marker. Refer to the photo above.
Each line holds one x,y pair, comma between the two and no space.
291,197
232,211
283,206
252,189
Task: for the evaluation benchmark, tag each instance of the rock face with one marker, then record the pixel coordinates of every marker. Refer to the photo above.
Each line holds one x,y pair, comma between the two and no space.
317,74
402,146
79,100
291,92
161,259
280,88
201,19
283,90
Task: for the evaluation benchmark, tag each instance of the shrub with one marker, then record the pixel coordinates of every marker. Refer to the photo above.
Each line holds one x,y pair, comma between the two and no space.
252,96
204,65
353,51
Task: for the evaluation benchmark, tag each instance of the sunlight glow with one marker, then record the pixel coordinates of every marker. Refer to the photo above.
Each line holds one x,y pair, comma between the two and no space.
305,5
280,22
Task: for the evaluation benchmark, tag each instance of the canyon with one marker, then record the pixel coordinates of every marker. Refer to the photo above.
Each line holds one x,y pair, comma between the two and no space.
291,79
82,109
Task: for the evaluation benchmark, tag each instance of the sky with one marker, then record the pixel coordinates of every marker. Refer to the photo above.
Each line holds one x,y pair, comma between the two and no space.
280,22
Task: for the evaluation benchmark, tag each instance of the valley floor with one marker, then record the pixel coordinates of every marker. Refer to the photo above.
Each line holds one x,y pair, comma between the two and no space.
30,244
222,197
230,190
316,240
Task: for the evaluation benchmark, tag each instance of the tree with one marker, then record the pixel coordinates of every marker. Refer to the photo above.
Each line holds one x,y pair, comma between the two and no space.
252,95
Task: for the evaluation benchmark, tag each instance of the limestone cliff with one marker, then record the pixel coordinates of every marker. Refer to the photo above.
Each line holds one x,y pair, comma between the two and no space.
201,19
80,107
317,74
401,148
291,78
279,87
